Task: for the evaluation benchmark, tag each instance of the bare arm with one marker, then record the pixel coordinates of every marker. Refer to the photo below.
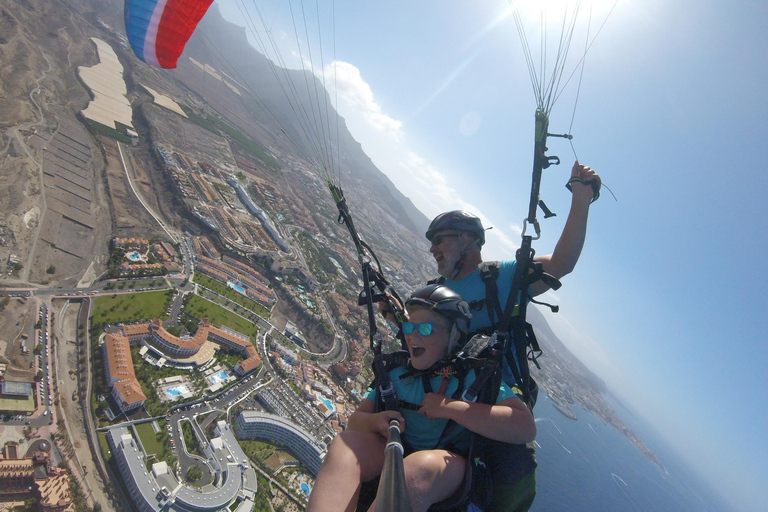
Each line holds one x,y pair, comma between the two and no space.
568,249
509,421
366,419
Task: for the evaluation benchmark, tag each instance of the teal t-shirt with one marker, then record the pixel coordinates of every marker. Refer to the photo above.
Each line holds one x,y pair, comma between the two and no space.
472,289
421,433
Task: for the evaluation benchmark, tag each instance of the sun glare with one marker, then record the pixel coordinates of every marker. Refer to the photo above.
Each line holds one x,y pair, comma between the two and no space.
553,7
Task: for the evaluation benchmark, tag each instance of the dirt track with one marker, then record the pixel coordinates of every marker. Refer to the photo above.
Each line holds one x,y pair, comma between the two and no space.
17,322
66,362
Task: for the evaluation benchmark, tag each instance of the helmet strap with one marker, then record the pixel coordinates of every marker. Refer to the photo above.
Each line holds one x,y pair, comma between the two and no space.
460,264
455,335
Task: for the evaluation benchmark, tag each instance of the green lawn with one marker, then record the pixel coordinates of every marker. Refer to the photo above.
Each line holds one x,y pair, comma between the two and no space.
193,447
199,308
129,307
10,403
149,438
104,444
226,291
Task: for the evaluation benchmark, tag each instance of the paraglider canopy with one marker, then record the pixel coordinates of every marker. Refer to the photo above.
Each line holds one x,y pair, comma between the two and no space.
158,30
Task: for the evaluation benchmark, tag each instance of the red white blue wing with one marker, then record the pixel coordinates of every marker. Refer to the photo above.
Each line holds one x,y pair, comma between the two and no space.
159,29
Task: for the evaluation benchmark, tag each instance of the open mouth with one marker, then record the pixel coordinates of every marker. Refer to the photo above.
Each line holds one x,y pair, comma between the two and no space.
417,351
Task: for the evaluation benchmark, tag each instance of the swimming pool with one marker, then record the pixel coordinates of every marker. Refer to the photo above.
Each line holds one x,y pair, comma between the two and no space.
327,402
175,391
218,377
305,489
133,256
236,287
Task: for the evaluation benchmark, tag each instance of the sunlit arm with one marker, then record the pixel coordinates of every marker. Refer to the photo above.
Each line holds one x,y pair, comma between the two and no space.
568,249
509,421
366,419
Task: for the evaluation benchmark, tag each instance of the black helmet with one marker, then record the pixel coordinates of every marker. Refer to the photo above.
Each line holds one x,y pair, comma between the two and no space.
443,300
459,220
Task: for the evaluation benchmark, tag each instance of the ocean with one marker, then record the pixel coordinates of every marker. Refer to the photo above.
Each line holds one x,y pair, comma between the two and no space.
587,465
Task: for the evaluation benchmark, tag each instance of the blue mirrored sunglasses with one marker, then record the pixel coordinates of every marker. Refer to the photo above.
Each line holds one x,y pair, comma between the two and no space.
424,328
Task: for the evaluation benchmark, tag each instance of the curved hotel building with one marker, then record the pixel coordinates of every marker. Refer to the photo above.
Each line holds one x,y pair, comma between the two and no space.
276,429
194,350
158,489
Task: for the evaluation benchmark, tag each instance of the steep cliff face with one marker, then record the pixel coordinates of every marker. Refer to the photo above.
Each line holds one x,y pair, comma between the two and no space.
224,46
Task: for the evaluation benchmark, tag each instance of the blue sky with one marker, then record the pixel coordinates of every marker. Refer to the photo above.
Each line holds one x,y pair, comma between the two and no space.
672,113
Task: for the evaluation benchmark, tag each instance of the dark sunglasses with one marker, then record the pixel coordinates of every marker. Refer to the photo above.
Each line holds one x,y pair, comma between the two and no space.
424,328
437,240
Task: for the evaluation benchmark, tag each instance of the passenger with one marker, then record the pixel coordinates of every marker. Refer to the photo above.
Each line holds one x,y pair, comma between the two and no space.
456,239
435,460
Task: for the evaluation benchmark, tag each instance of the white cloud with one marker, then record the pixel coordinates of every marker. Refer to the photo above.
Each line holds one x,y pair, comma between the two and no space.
384,140
357,94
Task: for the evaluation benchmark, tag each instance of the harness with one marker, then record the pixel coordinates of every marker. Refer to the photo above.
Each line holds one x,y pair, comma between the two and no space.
474,355
512,337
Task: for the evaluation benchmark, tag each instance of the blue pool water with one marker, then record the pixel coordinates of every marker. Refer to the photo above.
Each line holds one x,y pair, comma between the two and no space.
235,287
133,256
305,489
218,377
327,402
175,391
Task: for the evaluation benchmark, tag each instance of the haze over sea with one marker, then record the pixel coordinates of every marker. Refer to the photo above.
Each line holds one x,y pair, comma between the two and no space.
587,465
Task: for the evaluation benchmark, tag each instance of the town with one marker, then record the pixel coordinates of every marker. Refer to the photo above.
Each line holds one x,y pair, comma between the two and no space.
180,318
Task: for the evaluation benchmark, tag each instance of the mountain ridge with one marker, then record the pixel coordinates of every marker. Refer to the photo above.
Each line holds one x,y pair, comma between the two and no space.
281,101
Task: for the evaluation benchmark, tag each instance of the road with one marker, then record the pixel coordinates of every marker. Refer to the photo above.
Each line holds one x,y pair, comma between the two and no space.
129,175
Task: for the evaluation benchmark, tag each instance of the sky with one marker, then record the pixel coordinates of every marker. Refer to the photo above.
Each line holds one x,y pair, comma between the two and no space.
673,115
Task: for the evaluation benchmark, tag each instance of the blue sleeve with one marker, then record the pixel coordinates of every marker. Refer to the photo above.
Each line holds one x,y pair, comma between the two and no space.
506,392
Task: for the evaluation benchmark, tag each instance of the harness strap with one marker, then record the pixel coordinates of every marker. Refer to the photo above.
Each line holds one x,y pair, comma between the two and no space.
384,387
481,379
534,351
402,404
489,273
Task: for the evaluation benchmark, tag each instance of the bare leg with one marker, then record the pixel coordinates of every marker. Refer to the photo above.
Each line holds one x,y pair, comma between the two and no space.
353,457
431,476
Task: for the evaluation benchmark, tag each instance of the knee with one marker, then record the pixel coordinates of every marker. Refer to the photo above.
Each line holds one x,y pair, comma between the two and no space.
425,469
